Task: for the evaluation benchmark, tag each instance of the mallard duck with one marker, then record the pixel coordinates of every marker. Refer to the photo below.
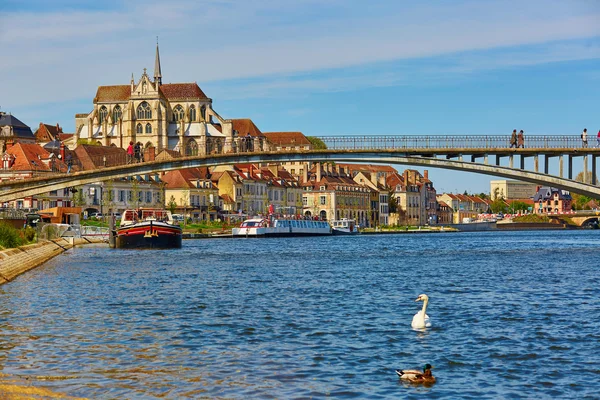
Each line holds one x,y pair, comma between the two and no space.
421,319
416,376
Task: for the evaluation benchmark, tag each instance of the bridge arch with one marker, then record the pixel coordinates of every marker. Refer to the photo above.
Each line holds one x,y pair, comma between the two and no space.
16,189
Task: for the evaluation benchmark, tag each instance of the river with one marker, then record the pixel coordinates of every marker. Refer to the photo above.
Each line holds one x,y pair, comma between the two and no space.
515,315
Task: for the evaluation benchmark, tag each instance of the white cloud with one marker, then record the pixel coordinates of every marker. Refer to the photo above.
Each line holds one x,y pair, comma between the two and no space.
65,55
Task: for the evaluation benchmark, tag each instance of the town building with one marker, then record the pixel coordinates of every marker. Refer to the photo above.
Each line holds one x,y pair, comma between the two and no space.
512,190
290,141
552,200
12,131
331,193
192,193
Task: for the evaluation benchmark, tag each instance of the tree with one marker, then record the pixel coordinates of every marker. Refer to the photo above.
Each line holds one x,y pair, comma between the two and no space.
317,143
172,204
78,197
519,206
581,202
499,205
392,200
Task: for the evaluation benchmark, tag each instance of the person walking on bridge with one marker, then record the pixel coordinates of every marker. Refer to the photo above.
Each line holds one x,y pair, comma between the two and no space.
521,139
598,139
513,139
584,142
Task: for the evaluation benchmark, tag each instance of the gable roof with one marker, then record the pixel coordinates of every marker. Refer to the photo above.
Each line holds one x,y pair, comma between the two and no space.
20,130
287,138
31,156
92,157
245,126
173,91
112,93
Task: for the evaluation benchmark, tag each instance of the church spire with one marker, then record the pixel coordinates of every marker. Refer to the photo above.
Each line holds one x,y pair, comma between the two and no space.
157,74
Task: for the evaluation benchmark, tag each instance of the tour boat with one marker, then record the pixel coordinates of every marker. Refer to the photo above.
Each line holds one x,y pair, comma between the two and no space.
148,228
344,226
274,227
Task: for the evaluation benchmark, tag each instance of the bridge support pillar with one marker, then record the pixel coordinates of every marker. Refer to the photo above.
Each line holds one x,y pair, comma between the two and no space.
594,170
497,159
570,167
546,158
536,163
485,159
510,161
522,161
585,169
560,166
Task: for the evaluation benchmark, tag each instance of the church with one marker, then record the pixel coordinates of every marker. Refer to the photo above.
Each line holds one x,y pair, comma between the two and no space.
159,116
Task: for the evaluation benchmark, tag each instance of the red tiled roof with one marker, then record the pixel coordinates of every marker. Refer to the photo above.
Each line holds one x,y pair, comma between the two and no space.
287,138
245,126
31,156
227,199
112,93
92,157
183,178
174,91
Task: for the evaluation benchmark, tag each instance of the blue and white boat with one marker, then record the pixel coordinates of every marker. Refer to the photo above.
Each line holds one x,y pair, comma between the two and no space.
262,227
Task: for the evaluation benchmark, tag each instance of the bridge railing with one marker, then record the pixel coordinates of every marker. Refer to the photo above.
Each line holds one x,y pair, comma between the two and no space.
446,142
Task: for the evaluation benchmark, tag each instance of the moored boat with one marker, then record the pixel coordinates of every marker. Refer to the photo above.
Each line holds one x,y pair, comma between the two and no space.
274,227
148,228
344,226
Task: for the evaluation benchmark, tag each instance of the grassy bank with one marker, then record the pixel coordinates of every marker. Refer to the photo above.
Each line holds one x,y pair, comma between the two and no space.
11,237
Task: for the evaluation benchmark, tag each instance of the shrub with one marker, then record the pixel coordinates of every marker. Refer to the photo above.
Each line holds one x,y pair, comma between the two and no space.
9,236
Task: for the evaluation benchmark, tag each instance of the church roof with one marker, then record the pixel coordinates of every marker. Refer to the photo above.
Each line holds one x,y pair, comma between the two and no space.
174,91
112,93
245,126
287,138
20,130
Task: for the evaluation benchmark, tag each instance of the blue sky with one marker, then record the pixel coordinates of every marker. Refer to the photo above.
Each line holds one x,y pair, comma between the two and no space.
333,67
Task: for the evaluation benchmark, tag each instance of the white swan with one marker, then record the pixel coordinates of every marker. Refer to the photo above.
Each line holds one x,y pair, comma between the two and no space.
421,319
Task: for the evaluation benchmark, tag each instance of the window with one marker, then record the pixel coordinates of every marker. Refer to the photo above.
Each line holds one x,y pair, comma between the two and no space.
148,197
192,113
103,114
191,148
129,195
148,128
304,201
178,113
121,195
117,114
203,113
139,129
323,200
144,111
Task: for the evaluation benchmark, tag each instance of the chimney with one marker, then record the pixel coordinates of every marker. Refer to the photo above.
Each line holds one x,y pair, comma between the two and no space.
338,170
62,151
305,173
405,176
318,166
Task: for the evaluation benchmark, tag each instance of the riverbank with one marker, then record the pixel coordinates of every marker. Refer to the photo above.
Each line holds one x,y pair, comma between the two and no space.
18,260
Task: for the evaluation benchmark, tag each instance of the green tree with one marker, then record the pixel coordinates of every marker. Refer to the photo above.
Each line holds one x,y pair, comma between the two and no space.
317,143
78,196
498,205
518,206
135,192
581,202
172,204
392,200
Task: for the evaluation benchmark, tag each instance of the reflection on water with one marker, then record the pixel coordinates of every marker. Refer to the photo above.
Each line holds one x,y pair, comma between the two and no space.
312,317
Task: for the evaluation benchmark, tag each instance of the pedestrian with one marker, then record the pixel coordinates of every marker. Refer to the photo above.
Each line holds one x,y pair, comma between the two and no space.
521,139
584,138
69,160
136,151
513,139
598,139
130,153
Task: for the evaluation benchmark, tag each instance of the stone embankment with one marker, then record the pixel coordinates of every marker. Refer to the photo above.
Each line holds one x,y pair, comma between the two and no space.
14,262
